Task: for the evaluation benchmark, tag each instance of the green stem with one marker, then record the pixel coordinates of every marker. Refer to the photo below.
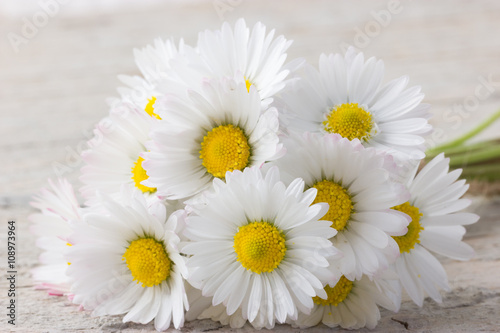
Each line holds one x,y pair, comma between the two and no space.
485,172
489,177
463,149
487,153
482,168
468,135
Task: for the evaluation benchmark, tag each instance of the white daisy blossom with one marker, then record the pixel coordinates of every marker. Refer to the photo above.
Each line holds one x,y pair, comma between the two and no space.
206,134
437,226
354,181
126,261
346,96
114,154
350,304
154,63
234,261
256,56
52,226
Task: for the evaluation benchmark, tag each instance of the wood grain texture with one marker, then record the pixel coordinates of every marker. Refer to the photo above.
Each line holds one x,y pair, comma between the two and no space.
53,91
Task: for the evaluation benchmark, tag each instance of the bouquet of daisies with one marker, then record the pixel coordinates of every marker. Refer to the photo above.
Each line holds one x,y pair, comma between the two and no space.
228,184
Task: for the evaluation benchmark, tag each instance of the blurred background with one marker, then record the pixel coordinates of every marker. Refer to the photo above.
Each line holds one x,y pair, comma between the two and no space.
59,61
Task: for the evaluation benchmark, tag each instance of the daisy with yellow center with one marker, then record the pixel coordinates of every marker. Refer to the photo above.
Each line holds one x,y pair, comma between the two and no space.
208,134
352,304
436,226
353,181
115,153
247,252
156,78
250,53
347,96
141,261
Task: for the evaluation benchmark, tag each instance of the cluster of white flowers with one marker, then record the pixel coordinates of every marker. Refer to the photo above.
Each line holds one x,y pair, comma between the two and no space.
230,185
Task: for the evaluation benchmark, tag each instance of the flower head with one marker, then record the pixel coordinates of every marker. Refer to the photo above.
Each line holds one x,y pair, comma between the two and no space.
258,246
155,64
352,304
346,96
355,183
114,157
125,260
436,226
207,134
254,56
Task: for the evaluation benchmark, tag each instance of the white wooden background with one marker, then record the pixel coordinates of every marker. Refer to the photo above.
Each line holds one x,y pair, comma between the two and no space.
53,90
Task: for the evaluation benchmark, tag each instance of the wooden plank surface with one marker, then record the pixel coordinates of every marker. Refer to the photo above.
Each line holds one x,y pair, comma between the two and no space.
53,91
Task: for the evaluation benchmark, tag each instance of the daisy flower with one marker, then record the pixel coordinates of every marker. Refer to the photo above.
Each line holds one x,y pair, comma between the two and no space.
254,56
436,226
350,304
346,96
125,261
58,209
115,153
154,63
206,134
258,246
355,183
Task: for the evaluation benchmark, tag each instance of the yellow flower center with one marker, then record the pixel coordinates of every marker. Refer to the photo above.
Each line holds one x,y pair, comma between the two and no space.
260,246
224,148
350,121
139,174
337,294
339,200
408,241
69,244
147,261
248,84
150,108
